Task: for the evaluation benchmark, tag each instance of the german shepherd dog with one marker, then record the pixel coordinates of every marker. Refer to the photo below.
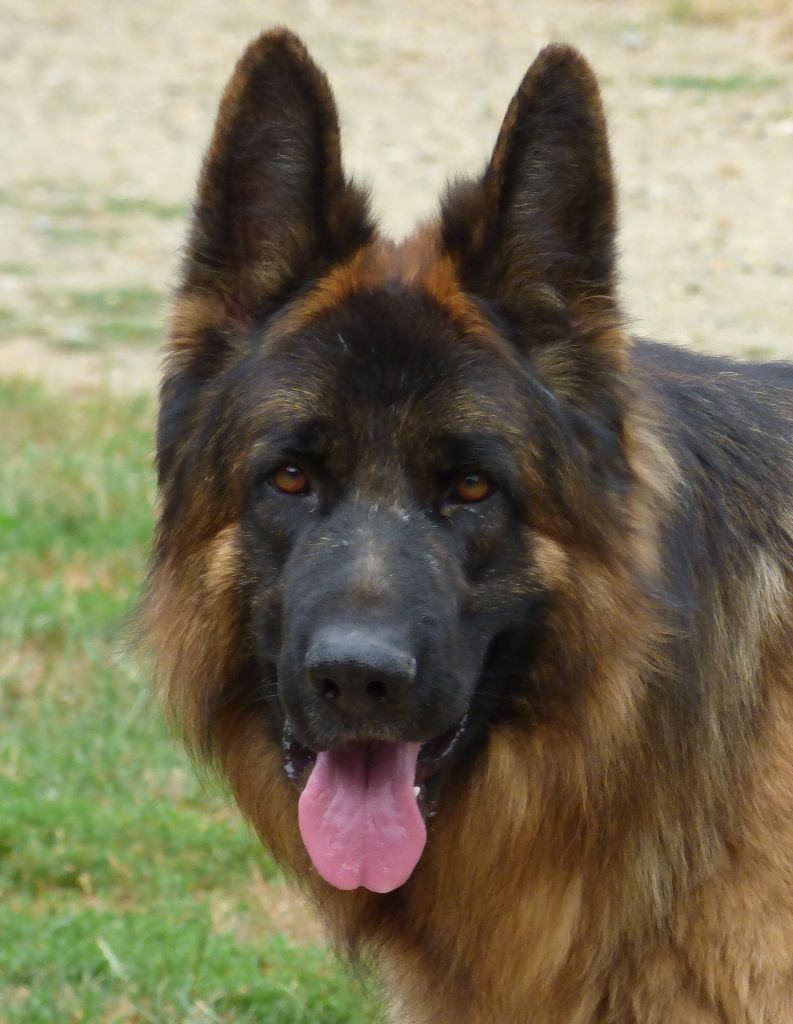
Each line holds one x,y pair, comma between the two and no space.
482,606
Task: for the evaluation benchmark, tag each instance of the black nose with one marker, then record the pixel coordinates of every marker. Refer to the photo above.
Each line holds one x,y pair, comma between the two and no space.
361,674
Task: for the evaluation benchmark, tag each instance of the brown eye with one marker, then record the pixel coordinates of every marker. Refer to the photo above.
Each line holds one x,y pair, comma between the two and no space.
290,479
471,487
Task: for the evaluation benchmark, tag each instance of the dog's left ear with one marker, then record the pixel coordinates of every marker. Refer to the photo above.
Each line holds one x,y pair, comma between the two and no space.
544,211
535,236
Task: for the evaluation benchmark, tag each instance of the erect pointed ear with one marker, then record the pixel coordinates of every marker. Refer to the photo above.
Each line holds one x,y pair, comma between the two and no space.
272,211
273,205
544,212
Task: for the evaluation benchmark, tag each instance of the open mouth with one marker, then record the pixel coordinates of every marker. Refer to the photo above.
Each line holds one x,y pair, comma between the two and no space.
363,806
299,760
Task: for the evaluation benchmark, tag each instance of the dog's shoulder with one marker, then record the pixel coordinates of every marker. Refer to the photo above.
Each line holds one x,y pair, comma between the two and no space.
707,392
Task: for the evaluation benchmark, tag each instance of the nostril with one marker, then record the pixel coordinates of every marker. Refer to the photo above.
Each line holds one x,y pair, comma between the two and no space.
328,689
357,674
377,690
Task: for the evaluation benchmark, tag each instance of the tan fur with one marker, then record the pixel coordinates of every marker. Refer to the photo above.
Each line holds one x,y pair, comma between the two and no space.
417,262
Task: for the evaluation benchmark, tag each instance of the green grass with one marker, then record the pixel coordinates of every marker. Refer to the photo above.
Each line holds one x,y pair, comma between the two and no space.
74,199
709,12
8,319
125,885
79,234
132,205
70,215
689,11
718,84
90,319
109,316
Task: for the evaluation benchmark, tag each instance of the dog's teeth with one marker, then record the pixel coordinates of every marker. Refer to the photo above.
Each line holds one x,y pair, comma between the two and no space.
416,791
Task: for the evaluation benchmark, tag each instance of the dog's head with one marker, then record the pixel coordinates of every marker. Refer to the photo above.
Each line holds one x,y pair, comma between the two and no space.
378,461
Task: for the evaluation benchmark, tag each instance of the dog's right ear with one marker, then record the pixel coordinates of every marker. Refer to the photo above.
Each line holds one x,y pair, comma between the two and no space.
273,206
273,210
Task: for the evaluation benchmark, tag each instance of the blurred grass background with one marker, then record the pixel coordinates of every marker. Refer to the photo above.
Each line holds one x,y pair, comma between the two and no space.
129,892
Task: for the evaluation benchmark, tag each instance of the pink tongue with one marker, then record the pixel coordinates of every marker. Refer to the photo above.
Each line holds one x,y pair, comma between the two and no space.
359,818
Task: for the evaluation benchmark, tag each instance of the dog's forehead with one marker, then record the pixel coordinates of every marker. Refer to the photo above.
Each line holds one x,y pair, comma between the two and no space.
386,364
418,264
392,326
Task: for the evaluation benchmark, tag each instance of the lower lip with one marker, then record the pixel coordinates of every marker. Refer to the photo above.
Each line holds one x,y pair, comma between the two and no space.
298,759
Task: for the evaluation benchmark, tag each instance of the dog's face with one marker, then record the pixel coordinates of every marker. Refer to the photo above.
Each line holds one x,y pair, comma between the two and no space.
390,450
384,526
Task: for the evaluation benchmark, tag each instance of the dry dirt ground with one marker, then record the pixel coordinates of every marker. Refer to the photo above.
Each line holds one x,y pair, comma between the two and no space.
108,107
